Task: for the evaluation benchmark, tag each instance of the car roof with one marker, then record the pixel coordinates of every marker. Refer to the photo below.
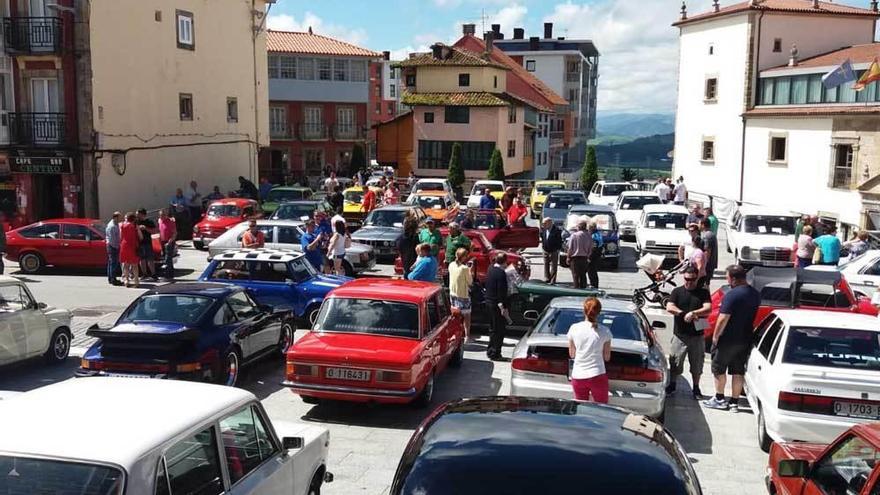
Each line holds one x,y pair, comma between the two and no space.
487,181
512,444
387,288
828,319
639,193
667,208
209,289
233,201
431,179
552,182
591,208
75,221
291,188
430,193
608,183
766,210
268,222
116,420
398,206
577,302
301,202
263,254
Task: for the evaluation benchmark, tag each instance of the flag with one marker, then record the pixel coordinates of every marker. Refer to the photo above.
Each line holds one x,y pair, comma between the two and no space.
840,75
871,75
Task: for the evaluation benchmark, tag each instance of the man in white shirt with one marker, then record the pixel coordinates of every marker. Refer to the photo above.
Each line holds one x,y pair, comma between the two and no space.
662,190
681,192
331,183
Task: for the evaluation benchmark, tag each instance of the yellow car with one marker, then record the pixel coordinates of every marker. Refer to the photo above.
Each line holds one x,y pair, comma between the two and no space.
437,204
353,197
539,193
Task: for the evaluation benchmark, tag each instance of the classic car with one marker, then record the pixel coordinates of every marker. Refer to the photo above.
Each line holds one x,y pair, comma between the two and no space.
352,201
495,187
628,209
62,243
846,466
795,288
28,328
661,230
435,204
383,227
606,222
280,279
530,295
302,210
377,340
761,236
493,225
812,374
511,444
862,272
220,216
191,331
286,235
637,371
539,194
154,437
558,203
432,184
606,193
283,194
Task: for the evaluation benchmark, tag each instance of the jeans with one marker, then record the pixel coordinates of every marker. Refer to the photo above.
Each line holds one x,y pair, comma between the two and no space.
579,266
112,263
551,264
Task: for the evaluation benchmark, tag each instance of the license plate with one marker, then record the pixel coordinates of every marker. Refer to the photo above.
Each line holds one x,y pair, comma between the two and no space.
776,263
857,410
347,374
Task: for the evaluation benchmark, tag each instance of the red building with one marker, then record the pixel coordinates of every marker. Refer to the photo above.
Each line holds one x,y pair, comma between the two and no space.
320,92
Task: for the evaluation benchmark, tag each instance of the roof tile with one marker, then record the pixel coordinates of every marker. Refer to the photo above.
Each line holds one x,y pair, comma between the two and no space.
471,99
791,6
858,54
813,111
313,44
458,57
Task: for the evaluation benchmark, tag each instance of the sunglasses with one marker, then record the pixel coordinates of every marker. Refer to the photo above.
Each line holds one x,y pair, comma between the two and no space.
690,279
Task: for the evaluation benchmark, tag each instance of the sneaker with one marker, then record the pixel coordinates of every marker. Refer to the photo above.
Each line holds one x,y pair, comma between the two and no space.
697,394
714,403
734,407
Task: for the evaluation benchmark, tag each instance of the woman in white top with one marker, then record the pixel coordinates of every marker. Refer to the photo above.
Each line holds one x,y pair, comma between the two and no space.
589,345
336,250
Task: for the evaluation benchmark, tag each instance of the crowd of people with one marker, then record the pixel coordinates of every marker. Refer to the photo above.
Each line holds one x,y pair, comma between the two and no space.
130,250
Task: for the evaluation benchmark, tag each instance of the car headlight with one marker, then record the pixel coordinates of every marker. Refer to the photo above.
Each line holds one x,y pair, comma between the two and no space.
389,243
611,247
195,229
650,243
747,253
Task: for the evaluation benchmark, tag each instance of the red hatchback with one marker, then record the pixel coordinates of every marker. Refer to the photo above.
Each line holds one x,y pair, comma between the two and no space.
377,340
62,242
222,215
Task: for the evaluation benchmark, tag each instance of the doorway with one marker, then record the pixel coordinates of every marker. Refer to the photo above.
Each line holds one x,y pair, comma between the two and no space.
48,199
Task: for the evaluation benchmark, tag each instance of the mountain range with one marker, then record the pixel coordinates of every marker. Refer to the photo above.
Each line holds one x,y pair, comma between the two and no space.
633,125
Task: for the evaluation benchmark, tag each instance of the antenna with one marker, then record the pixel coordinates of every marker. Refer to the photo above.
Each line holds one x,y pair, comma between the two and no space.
483,18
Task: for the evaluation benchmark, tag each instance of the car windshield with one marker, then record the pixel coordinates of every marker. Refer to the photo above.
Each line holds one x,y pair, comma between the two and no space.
294,212
175,308
671,221
431,202
604,221
623,325
385,218
638,202
354,196
429,186
479,188
371,316
29,476
279,195
564,201
485,221
223,211
545,189
769,224
833,348
615,189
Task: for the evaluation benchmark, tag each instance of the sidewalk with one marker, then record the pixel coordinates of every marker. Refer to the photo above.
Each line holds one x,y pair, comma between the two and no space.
83,318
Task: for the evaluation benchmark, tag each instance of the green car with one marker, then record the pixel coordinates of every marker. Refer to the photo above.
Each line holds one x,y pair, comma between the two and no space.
281,194
531,295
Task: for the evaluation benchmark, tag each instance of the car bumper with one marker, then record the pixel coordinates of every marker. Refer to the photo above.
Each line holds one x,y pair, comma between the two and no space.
642,403
195,376
800,427
352,394
770,264
361,266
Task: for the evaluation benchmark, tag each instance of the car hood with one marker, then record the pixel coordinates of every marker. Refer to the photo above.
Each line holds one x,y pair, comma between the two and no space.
218,222
56,313
377,233
537,287
343,348
330,280
758,241
358,248
664,236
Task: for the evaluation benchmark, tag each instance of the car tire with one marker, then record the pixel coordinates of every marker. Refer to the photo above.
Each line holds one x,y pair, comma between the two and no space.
310,400
427,393
764,440
285,340
31,262
59,346
349,270
230,368
199,245
458,357
315,485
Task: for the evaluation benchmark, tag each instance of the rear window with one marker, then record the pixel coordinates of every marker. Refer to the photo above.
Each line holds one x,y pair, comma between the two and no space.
616,189
479,188
44,231
370,316
623,325
432,202
545,189
28,476
638,202
671,221
429,186
172,308
294,212
833,348
354,196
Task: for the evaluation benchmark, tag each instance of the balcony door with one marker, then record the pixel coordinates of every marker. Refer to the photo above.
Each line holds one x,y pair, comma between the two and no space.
41,32
46,123
5,100
345,123
313,128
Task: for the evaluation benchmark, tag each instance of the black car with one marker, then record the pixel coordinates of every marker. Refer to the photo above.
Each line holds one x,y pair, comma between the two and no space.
518,445
606,221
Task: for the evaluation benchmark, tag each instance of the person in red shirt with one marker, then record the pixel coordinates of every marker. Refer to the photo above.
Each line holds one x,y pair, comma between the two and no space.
369,201
253,238
517,213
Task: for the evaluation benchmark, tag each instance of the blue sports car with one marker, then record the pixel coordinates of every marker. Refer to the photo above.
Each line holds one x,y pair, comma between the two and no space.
190,331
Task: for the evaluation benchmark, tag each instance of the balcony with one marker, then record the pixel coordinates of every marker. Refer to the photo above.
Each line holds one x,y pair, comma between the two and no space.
37,129
573,77
557,139
32,35
279,131
349,132
312,132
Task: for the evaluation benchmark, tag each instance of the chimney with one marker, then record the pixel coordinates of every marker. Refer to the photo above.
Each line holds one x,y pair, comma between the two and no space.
874,5
793,59
520,33
715,6
437,51
533,43
815,4
548,30
468,29
386,55
488,38
684,10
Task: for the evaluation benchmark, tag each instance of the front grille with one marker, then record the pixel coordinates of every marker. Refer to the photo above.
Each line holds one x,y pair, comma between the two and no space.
775,254
662,249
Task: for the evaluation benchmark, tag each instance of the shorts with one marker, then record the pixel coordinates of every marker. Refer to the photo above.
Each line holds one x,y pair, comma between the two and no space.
692,346
463,305
145,252
338,256
730,359
595,388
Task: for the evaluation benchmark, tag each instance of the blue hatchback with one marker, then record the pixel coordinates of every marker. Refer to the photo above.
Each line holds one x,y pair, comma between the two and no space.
280,279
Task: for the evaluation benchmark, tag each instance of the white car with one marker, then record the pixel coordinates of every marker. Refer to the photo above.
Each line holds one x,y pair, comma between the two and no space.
628,209
661,230
862,273
28,328
606,193
428,184
760,236
286,235
496,188
813,374
144,437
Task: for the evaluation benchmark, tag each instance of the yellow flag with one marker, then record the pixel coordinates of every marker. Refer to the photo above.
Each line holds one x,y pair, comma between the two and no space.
871,75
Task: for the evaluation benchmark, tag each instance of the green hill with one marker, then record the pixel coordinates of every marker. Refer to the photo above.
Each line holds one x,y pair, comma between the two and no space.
647,152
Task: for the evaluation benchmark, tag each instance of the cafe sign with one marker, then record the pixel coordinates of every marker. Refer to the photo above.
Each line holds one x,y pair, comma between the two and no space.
41,165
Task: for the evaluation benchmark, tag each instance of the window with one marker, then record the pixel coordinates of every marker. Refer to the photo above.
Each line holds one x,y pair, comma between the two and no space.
708,151
358,70
511,149
511,114
777,45
783,90
305,69
288,235
429,117
799,86
245,442
778,148
76,233
193,465
530,65
263,271
843,165
457,115
392,91
410,80
775,325
231,109
340,70
274,66
185,101
391,108
474,154
464,80
324,69
494,81
224,316
711,89
185,32
13,299
838,470
278,122
369,316
241,305
433,315
814,89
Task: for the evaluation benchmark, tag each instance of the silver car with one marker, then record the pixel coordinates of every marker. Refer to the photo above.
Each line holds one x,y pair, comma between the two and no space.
286,234
637,371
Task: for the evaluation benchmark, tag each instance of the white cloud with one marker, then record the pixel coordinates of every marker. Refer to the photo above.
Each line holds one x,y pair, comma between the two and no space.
286,22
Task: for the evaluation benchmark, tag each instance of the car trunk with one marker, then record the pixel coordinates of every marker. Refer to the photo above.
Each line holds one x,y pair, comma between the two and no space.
831,392
355,349
129,347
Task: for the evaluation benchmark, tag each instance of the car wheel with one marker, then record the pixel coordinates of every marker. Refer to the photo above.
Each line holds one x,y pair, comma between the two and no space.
231,368
59,346
458,357
31,262
286,338
199,245
424,398
315,485
310,400
349,270
764,440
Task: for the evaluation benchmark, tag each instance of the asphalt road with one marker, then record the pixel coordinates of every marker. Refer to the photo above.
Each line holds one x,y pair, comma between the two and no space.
366,441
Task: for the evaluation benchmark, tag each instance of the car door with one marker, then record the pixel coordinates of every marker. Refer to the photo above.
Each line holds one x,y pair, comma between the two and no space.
867,279
254,331
46,239
36,326
253,455
434,339
844,468
480,257
77,248
288,238
13,333
269,284
453,331
759,371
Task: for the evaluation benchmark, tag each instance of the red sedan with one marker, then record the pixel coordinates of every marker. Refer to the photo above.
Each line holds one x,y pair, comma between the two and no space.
222,215
493,225
846,467
377,340
62,242
793,288
482,253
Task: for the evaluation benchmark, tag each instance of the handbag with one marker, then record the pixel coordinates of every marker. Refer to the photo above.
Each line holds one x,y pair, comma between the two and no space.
817,255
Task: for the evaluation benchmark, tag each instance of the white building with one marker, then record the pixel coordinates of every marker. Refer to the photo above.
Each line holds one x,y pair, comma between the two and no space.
754,123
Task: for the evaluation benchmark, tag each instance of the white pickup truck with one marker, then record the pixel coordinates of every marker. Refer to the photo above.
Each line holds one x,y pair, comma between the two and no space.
759,236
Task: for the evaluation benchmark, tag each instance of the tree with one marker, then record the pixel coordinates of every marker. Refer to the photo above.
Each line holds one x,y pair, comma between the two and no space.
456,171
628,174
496,166
590,172
358,159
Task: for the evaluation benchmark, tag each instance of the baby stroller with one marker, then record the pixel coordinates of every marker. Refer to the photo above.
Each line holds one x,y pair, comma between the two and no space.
657,291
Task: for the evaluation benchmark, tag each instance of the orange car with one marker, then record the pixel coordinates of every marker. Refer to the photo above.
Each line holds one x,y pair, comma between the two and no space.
437,204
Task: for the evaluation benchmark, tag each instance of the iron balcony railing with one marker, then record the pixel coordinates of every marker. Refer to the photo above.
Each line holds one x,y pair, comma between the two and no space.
312,132
32,35
37,129
348,132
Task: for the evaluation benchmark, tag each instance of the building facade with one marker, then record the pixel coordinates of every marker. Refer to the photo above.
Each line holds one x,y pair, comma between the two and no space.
753,113
320,94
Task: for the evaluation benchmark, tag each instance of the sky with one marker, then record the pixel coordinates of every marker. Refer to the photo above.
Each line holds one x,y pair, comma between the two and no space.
638,45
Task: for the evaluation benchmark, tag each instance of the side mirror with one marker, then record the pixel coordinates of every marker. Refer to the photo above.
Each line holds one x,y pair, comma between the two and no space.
530,315
658,324
292,443
793,468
